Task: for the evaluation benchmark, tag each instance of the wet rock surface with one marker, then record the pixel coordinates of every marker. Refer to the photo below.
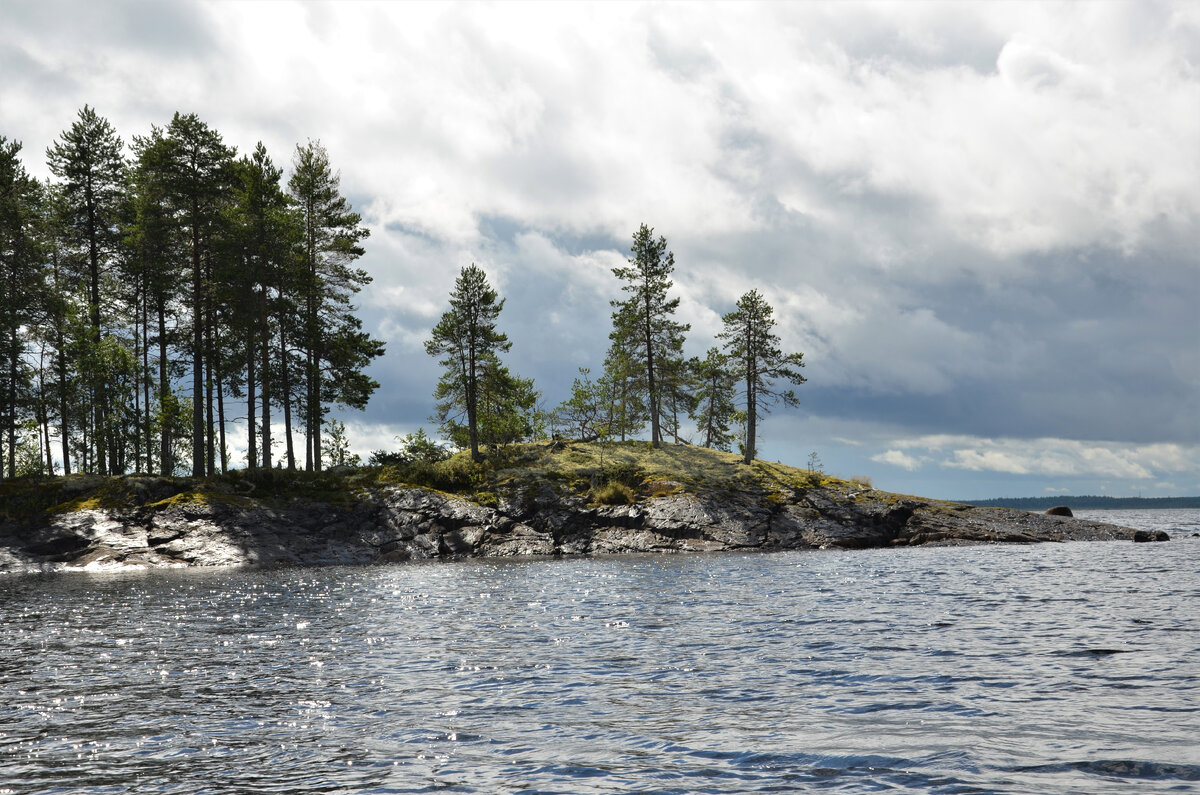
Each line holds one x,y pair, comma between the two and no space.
396,524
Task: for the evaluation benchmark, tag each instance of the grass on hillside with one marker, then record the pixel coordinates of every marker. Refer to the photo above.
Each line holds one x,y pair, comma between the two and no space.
602,472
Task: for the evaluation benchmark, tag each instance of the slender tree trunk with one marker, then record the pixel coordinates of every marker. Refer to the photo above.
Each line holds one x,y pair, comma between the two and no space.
166,457
137,383
751,399
751,426
251,399
210,359
147,427
318,414
11,406
63,403
97,387
312,400
308,412
472,403
266,380
221,423
651,385
60,366
198,467
287,399
209,424
44,410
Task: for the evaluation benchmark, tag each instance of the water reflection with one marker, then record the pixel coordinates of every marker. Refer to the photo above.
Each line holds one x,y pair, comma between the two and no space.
932,670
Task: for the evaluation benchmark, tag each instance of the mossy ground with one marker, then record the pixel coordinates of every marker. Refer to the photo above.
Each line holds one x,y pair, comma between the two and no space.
602,472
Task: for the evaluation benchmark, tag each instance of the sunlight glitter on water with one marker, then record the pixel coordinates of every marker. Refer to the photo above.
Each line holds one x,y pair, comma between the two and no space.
1054,668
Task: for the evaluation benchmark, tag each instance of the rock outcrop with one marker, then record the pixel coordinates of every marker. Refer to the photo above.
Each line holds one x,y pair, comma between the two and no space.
401,523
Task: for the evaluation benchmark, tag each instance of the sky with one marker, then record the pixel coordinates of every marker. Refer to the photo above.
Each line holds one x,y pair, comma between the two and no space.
977,221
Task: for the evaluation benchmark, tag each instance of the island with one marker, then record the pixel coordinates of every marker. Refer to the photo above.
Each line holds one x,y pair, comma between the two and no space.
539,499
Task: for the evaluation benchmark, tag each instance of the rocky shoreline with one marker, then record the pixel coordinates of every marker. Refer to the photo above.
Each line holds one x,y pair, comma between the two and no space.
398,523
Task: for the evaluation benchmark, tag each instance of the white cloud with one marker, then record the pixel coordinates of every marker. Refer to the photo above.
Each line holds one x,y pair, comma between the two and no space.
897,458
981,216
1057,457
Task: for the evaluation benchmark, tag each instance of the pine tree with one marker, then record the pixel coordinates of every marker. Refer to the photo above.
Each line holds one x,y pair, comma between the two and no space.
88,159
332,342
59,306
584,411
623,389
753,349
715,395
159,251
20,296
508,411
267,243
642,323
198,173
678,389
468,342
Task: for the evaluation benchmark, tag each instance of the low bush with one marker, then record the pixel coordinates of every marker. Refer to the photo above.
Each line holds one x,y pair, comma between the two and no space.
613,493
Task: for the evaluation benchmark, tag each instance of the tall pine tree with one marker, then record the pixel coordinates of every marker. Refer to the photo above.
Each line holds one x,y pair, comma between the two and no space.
20,296
643,324
88,159
753,350
468,342
198,173
335,348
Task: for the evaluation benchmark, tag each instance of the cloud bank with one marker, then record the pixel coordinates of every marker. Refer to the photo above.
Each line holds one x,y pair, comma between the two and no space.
978,221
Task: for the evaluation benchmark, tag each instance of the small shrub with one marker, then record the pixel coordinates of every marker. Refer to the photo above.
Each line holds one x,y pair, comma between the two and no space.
613,493
862,481
382,458
662,488
419,447
627,474
459,474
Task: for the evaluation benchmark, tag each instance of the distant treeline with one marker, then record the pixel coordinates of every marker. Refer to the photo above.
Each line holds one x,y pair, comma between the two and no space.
1086,502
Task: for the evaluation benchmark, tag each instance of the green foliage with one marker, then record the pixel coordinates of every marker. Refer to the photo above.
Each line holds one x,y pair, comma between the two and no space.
120,279
613,493
715,412
335,349
419,447
173,423
625,472
414,447
583,413
603,473
21,302
753,350
643,328
336,446
499,407
622,389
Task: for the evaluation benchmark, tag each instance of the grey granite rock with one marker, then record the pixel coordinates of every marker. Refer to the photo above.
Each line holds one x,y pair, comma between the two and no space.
400,524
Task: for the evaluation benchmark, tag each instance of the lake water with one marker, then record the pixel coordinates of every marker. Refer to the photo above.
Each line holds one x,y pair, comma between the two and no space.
1053,668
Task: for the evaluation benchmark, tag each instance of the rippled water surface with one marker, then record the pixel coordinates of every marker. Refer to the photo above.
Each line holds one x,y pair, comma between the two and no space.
1069,668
